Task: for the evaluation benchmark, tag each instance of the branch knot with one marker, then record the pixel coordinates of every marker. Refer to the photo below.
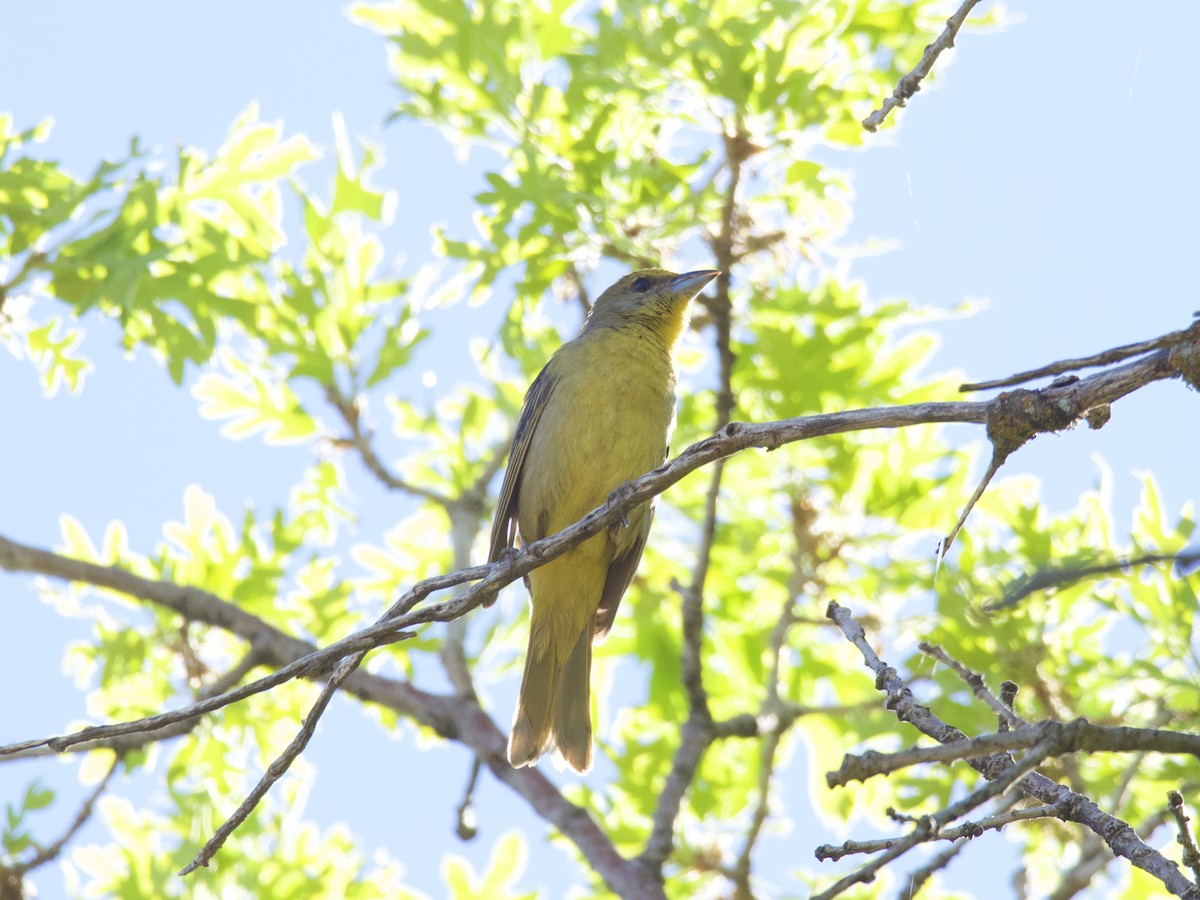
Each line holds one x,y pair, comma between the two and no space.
1016,416
1184,357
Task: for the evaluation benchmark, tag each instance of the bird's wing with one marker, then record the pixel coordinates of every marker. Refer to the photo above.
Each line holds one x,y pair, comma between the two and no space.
620,574
504,528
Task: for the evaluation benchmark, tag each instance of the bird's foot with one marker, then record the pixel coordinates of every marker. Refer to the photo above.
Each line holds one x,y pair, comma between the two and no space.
619,496
507,555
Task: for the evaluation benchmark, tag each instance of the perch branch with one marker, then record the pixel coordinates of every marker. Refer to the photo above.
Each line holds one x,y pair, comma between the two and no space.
299,658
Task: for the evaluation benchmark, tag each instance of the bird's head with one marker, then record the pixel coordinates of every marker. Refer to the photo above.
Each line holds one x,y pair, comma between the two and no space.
652,298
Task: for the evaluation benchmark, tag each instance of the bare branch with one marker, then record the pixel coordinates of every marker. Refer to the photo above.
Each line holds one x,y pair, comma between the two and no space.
1106,358
994,465
50,853
122,744
916,880
464,525
453,660
976,683
778,714
1094,858
749,725
1185,838
768,756
928,826
696,734
574,280
911,83
360,441
966,830
496,458
1056,577
1061,738
1122,840
278,766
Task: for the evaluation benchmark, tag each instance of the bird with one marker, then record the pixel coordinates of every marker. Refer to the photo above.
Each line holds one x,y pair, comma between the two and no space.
598,415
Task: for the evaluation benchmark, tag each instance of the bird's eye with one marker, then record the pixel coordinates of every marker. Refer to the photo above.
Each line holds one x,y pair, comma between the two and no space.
641,285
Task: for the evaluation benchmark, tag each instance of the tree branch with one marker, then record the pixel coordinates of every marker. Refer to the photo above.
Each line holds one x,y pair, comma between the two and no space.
911,83
1121,839
1060,576
278,766
1106,358
125,743
1061,738
50,853
360,441
976,683
965,830
1185,838
928,826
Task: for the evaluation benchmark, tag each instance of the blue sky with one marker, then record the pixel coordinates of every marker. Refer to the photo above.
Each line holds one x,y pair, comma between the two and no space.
1049,172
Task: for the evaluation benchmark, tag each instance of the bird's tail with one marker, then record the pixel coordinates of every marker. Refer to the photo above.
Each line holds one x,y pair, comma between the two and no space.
554,708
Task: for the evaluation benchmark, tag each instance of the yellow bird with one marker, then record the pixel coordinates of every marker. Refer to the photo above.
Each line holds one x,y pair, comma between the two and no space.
597,416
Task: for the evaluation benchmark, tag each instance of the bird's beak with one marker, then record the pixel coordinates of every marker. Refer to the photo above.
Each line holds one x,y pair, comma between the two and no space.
692,283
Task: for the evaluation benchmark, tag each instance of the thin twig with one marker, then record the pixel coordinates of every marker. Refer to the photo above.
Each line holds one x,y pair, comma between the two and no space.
122,744
1106,358
464,525
50,853
464,821
1184,837
911,83
965,830
775,707
768,756
994,465
1121,839
1064,737
975,682
279,765
916,879
360,440
929,826
1051,578
574,279
495,462
696,733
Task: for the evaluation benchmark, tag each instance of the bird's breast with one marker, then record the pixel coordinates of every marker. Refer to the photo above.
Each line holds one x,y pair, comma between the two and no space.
608,421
